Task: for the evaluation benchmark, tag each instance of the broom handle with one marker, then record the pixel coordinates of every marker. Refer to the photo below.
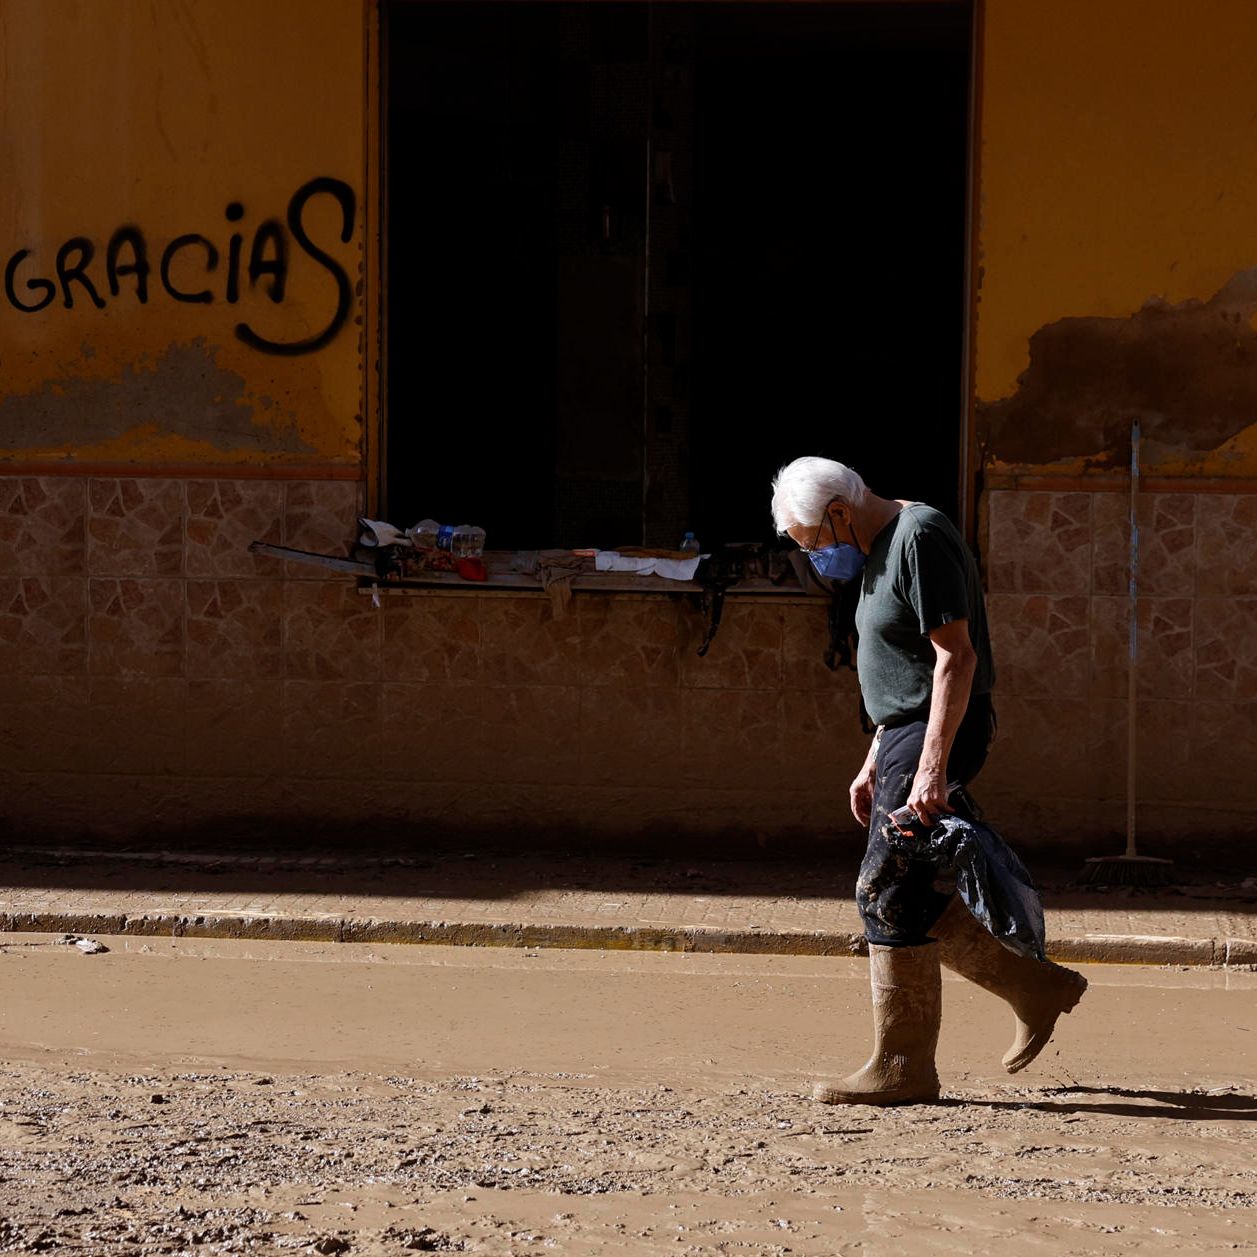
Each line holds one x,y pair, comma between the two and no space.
1131,685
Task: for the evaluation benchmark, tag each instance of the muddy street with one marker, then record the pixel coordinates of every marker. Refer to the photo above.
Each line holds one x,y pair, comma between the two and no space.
180,1096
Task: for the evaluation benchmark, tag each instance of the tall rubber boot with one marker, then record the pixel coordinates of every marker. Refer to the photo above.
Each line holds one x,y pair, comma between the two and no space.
1038,991
907,1005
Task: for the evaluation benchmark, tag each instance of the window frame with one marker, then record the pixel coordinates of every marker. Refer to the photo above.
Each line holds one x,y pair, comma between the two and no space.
374,306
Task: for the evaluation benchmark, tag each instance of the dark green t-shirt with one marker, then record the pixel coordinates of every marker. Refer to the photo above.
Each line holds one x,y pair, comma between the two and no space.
920,575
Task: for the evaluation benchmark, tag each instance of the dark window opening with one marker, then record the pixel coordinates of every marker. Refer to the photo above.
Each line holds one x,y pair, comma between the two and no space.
640,255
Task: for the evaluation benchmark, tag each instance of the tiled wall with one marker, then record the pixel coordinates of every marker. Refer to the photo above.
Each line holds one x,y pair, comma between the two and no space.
156,676
1058,568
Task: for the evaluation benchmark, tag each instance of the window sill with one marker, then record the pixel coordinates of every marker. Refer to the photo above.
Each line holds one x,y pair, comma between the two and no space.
619,584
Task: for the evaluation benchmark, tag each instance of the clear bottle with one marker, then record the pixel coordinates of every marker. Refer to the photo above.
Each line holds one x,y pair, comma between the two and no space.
460,542
424,534
689,543
474,541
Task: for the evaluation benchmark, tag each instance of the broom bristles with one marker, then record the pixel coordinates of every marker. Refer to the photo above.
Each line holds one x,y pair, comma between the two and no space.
1127,870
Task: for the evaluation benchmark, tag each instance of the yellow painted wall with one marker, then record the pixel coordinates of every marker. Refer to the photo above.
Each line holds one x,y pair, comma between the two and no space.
1119,168
160,113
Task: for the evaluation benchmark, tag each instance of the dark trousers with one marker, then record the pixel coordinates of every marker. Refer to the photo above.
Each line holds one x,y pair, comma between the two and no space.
894,892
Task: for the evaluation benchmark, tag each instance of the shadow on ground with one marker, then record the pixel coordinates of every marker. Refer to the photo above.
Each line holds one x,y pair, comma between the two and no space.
1191,1106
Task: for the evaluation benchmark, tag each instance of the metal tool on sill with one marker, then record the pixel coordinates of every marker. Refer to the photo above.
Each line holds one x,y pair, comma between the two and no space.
382,563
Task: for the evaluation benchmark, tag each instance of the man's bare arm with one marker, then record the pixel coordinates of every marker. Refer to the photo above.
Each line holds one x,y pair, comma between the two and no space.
954,665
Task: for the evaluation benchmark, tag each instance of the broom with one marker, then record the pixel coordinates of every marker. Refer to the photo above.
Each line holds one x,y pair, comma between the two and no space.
1130,868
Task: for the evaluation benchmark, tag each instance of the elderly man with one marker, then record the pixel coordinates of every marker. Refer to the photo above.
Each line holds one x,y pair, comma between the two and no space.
926,673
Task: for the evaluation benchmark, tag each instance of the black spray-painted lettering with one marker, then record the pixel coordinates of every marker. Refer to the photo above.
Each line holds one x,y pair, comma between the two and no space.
270,235
127,256
235,212
46,286
211,265
138,266
68,274
344,194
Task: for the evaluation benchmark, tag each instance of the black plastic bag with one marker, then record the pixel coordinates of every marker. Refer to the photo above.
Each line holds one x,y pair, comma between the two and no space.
992,881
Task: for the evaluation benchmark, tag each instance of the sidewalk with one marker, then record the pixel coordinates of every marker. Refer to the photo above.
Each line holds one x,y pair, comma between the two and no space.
788,907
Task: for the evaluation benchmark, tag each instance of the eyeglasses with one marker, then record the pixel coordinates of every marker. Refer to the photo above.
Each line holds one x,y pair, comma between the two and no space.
824,520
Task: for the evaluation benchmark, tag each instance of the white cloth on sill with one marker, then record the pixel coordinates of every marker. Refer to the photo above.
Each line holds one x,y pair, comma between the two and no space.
378,532
671,569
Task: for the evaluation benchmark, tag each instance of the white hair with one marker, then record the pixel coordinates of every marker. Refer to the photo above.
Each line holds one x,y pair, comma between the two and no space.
804,488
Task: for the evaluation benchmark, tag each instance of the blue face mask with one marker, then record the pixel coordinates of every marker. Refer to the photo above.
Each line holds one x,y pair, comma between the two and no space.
840,562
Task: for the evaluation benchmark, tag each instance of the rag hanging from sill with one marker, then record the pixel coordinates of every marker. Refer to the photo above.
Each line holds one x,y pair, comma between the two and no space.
555,569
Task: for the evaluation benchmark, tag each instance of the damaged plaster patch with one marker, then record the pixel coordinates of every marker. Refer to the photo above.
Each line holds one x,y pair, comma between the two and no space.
184,392
1188,372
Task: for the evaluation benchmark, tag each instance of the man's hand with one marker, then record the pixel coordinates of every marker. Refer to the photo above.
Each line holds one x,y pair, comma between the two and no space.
928,796
862,794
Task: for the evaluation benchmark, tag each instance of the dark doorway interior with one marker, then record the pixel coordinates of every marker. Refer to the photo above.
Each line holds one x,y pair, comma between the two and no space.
472,167
641,255
829,249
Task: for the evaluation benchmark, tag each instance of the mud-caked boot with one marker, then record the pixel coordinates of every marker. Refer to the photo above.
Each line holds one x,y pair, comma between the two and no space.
1038,991
907,1005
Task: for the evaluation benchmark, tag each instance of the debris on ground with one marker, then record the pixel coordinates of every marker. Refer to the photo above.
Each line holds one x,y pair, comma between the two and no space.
88,946
89,1168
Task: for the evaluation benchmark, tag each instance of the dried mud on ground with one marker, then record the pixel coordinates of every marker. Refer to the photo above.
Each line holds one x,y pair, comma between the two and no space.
185,1096
234,1162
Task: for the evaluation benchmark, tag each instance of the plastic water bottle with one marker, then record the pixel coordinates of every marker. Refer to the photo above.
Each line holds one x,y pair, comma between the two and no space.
463,544
689,543
424,534
467,542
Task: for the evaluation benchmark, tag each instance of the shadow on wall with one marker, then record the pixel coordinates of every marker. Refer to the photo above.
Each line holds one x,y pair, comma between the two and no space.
1188,372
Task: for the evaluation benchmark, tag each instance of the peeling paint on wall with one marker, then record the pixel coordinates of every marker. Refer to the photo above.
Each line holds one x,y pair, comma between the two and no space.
1187,371
185,391
1116,161
183,220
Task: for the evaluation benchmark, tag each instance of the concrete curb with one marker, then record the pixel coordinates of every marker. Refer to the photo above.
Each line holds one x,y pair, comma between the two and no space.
1130,949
